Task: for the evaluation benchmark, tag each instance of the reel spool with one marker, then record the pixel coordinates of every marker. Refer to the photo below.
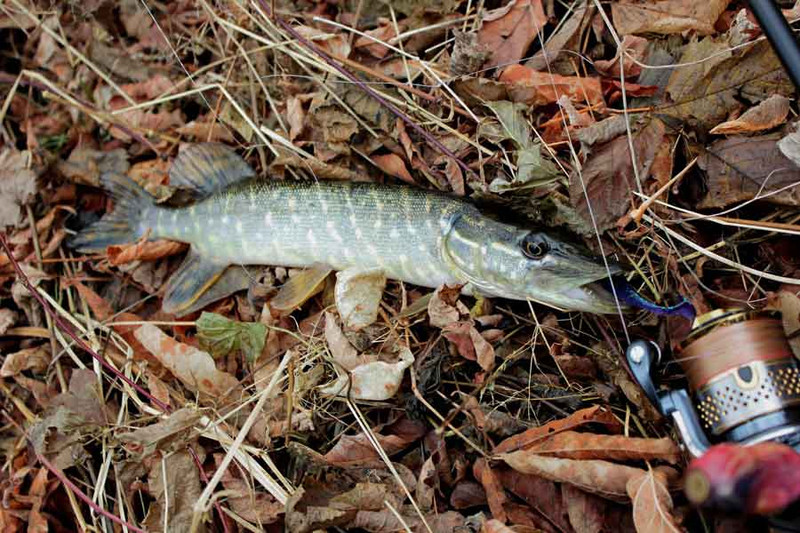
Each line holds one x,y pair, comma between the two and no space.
743,381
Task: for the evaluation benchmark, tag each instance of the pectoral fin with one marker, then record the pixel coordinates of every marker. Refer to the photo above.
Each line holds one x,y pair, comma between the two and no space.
300,288
189,284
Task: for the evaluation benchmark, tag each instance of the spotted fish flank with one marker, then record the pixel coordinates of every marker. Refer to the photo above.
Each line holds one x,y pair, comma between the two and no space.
418,236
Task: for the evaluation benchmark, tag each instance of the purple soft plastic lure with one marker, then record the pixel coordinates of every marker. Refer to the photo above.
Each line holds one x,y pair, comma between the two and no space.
629,296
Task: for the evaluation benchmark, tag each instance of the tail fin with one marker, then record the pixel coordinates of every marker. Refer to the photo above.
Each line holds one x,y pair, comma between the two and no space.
124,224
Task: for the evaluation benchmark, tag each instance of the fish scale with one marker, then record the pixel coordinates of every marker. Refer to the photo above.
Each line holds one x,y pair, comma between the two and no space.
421,237
297,224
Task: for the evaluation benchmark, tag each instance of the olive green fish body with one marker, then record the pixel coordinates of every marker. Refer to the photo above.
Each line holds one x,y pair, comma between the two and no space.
297,224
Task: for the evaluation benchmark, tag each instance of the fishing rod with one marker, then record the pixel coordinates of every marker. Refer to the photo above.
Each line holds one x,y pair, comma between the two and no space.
780,35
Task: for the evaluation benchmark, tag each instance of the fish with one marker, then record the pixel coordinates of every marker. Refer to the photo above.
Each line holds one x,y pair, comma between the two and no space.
417,236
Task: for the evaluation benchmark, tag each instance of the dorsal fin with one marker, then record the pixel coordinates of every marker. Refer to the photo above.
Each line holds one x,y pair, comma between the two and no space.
207,168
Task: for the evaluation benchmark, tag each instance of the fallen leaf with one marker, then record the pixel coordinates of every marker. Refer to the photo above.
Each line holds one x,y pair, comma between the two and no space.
220,336
352,450
765,116
195,368
603,478
295,116
469,54
17,185
441,307
7,319
336,44
171,433
427,484
635,49
495,526
384,32
393,165
36,358
508,31
86,165
467,494
174,483
574,445
789,305
586,512
652,504
535,88
542,495
790,146
667,16
608,175
471,345
207,131
495,495
358,294
595,414
250,504
566,37
709,85
377,381
342,351
143,251
743,168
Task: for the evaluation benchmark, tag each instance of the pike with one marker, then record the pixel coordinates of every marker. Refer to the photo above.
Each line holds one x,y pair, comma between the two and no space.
421,237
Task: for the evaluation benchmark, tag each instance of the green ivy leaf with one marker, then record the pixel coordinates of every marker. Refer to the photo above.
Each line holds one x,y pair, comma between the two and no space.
220,336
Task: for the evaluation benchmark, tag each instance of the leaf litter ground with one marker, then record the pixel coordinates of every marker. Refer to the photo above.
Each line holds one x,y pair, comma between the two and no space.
658,132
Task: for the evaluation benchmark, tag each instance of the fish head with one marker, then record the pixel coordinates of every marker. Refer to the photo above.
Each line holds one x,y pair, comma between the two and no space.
502,260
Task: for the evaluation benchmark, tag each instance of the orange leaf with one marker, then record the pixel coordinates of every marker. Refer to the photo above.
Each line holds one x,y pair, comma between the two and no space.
495,494
541,88
143,251
394,165
573,445
652,504
596,414
509,31
354,450
598,477
765,116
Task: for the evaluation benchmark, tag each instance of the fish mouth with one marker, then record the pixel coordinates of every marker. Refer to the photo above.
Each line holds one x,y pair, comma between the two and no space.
597,297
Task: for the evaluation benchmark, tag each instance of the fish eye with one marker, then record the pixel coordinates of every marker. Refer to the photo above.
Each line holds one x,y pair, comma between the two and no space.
535,247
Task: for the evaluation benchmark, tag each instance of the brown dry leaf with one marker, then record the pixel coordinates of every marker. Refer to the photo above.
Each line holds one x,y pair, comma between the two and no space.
295,116
765,116
335,44
427,485
496,526
442,306
467,494
535,88
495,495
195,368
393,165
713,79
168,434
608,174
147,122
471,345
652,504
35,358
207,131
574,445
566,37
358,294
741,168
595,414
587,512
469,54
598,477
384,32
174,483
7,319
540,494
143,251
789,305
353,450
376,381
635,49
17,185
509,30
666,16
342,351
250,504
86,165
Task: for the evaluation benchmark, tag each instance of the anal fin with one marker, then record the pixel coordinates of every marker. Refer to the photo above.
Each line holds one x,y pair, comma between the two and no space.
188,286
300,288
